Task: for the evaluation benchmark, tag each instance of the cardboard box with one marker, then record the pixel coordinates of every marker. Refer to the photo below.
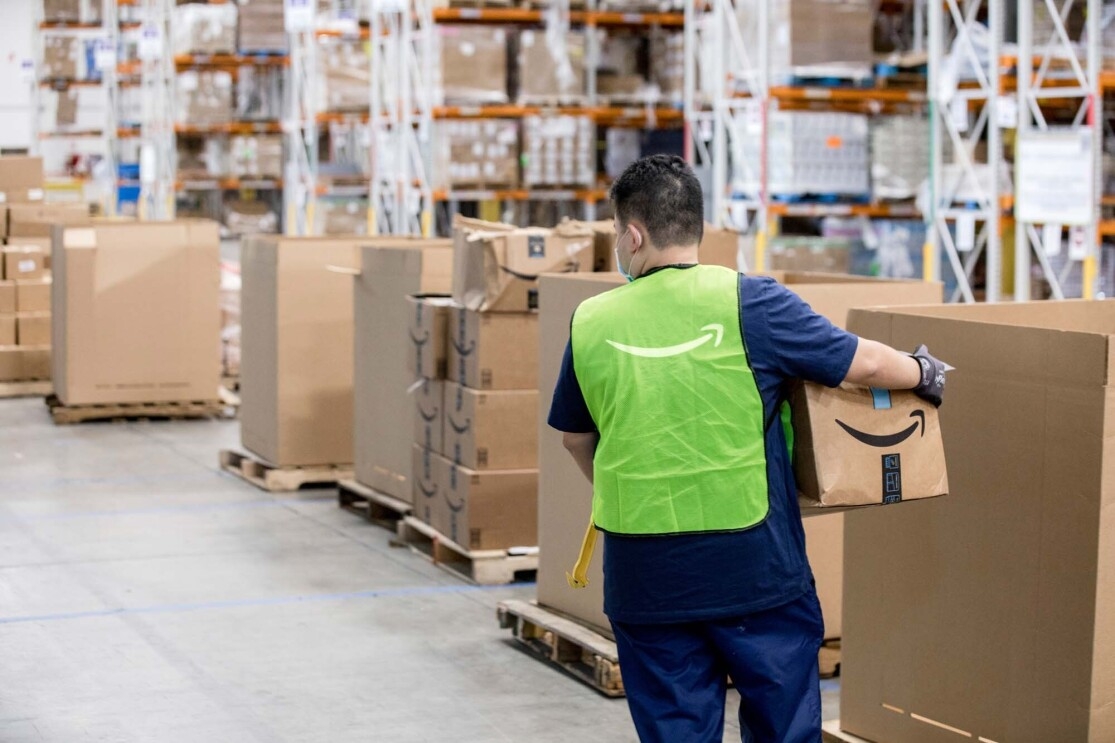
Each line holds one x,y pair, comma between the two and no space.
811,254
478,153
204,97
37,220
204,29
31,295
63,57
261,27
559,151
24,364
389,274
990,611
429,414
8,298
539,78
427,482
493,510
136,312
345,76
491,430
8,334
21,179
429,336
493,351
23,263
297,349
720,247
565,497
473,64
496,268
33,329
858,447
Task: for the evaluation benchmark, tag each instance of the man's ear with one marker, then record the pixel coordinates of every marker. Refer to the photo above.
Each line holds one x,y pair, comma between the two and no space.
640,238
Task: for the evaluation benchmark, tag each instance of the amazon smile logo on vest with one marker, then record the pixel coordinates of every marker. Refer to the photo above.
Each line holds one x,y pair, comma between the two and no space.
710,332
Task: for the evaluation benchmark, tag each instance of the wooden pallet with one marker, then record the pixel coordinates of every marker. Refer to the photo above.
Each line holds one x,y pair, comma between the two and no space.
281,479
831,733
29,388
66,414
582,652
379,508
486,567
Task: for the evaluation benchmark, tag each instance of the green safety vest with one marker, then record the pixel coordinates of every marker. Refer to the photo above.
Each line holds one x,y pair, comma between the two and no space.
664,370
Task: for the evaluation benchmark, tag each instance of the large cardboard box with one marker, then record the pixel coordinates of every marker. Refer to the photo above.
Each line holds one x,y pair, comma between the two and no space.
389,274
429,336
491,430
496,269
21,179
539,76
493,350
23,263
36,220
429,414
8,334
989,614
9,298
473,64
24,364
33,329
30,296
136,312
565,497
720,247
492,510
428,472
297,349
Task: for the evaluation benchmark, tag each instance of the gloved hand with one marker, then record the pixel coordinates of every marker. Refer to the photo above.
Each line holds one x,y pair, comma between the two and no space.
932,385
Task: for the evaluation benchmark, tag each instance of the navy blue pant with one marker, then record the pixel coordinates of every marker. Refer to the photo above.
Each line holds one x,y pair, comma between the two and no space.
675,675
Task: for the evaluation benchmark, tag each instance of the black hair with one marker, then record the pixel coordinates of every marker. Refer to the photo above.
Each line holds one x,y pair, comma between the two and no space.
662,192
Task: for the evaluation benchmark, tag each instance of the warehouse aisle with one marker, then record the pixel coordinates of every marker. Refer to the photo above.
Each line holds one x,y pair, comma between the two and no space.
145,596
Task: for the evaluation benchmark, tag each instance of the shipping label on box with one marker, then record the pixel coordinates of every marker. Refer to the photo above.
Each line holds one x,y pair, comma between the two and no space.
855,446
8,326
428,332
23,263
493,351
33,329
30,296
429,413
427,476
491,430
493,510
8,298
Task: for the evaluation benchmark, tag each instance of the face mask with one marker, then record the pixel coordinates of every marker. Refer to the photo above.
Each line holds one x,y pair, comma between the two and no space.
623,273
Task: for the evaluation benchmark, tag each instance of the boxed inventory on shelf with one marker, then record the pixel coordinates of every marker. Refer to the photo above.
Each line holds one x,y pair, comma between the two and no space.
261,27
811,254
203,28
987,614
33,329
204,96
551,67
559,151
200,158
497,266
256,156
565,497
391,270
72,11
80,108
489,430
493,350
23,263
618,73
250,217
473,65
345,70
900,156
18,364
21,179
259,92
297,349
479,153
64,57
136,312
7,330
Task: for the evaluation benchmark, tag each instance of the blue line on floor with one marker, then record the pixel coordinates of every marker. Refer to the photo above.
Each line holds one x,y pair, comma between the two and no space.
155,510
54,483
240,603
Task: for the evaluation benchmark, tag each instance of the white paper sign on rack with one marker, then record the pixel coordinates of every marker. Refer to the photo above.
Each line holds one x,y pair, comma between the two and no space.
298,16
1078,243
104,54
1051,238
150,46
1056,177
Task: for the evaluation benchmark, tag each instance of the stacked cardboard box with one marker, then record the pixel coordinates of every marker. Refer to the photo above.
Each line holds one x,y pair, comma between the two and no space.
548,72
899,156
479,153
72,11
204,29
801,46
473,64
21,179
24,314
297,350
64,58
667,63
565,496
136,315
345,83
427,363
204,96
261,26
257,156
559,151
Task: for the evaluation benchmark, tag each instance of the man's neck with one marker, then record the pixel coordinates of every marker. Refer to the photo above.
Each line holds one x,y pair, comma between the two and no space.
671,256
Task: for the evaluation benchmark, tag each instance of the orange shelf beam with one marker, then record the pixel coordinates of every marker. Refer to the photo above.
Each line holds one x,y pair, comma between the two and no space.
877,211
230,60
524,194
236,127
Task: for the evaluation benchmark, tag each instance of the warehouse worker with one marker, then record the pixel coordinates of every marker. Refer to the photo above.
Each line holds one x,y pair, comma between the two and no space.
668,395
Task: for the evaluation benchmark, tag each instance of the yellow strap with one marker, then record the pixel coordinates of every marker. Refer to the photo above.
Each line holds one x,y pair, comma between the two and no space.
579,577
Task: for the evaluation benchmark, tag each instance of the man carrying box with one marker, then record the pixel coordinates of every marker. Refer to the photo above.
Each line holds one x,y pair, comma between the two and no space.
668,395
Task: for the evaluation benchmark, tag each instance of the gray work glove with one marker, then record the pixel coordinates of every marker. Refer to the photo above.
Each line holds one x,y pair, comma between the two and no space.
931,388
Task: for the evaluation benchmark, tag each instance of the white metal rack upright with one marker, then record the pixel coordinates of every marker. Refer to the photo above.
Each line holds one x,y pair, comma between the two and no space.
951,222
1080,85
301,134
157,151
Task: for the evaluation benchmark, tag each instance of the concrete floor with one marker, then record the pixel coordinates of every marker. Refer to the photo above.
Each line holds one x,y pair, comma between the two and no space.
146,596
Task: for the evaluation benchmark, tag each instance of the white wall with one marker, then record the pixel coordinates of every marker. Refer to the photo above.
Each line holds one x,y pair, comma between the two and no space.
16,40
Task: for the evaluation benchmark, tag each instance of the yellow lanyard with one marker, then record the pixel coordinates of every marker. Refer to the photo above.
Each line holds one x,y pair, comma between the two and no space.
579,577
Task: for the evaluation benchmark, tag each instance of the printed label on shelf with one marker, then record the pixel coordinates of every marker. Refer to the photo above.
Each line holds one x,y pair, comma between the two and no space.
298,15
1051,238
104,54
1007,112
150,46
1078,243
27,70
958,112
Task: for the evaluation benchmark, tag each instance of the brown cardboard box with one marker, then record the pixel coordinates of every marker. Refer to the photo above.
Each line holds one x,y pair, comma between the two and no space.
8,330
429,414
565,497
33,329
62,57
261,27
389,275
23,263
497,270
204,97
538,77
990,611
8,298
36,220
297,349
493,510
136,312
22,364
478,153
30,296
21,179
720,247
604,243
491,430
345,82
493,350
428,471
858,447
473,64
810,254
429,336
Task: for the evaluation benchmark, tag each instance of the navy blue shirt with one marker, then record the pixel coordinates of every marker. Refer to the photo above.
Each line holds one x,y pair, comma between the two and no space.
694,577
